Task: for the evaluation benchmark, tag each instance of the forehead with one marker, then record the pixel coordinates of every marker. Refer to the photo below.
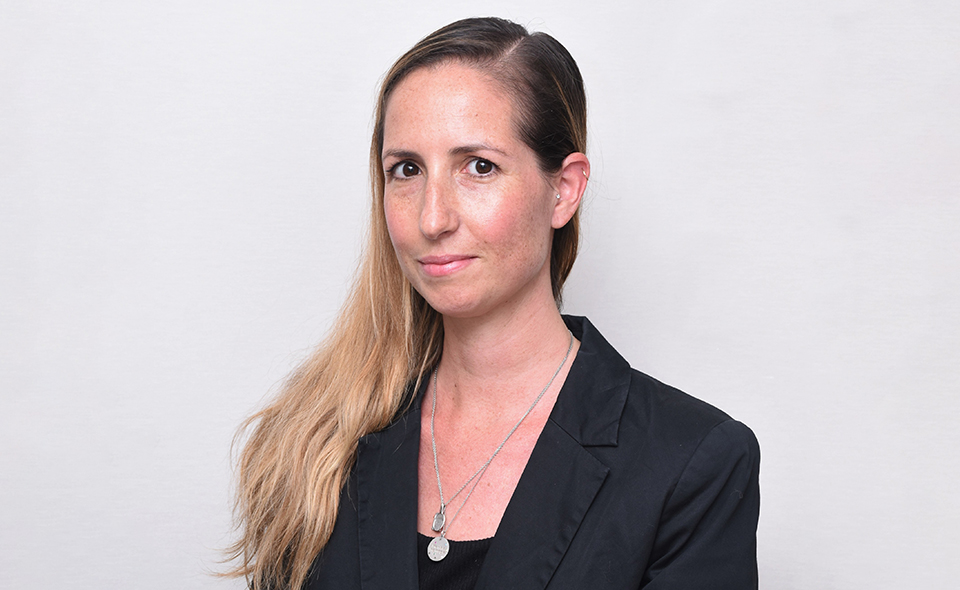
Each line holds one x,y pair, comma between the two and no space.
449,102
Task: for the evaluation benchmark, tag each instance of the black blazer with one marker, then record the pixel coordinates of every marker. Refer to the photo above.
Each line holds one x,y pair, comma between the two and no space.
632,484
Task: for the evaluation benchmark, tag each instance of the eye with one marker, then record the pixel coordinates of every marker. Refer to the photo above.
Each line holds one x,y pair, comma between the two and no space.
405,169
481,167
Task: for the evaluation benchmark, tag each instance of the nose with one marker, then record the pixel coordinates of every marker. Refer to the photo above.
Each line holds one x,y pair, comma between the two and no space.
438,215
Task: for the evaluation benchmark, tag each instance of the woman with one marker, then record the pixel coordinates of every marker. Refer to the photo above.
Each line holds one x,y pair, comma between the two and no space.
454,431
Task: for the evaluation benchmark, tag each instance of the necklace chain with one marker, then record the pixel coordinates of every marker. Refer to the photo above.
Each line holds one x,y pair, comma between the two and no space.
439,523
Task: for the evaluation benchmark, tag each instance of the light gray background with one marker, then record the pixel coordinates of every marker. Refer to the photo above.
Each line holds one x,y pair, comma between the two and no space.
773,225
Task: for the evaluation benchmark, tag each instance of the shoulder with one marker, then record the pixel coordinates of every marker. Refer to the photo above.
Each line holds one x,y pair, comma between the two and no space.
606,403
680,421
679,441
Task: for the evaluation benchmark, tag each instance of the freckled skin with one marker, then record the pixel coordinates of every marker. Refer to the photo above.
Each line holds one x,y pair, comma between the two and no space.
443,128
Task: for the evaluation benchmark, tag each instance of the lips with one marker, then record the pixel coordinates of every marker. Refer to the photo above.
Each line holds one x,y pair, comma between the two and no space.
443,265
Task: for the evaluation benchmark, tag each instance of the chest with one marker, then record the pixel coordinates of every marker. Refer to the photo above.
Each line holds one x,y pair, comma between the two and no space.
478,470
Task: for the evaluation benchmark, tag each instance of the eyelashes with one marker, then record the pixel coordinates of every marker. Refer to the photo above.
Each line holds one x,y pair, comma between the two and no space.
481,167
406,169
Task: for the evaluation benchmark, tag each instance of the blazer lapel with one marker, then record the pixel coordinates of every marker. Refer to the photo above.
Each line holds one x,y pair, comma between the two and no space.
387,505
555,491
562,477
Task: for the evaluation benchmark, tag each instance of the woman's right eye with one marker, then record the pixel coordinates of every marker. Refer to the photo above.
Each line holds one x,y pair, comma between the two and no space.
405,170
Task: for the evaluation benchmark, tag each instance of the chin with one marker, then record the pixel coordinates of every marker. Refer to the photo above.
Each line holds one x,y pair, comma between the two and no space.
456,310
454,306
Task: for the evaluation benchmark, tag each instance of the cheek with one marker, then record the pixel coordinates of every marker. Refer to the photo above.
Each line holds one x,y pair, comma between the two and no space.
399,229
397,223
520,233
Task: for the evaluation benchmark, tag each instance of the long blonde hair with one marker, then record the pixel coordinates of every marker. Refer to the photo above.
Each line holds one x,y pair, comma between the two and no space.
303,445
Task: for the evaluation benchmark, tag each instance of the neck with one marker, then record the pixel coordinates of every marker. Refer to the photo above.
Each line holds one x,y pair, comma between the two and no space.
495,362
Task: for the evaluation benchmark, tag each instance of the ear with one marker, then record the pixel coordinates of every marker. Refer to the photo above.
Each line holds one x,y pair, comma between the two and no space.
570,184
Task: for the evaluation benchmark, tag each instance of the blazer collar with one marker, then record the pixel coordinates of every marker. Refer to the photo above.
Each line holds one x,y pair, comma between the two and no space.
593,396
555,491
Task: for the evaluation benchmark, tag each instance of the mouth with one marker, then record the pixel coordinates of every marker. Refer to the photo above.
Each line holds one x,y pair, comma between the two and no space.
443,265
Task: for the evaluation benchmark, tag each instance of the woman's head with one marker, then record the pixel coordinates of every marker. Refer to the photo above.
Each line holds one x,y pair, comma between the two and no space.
549,107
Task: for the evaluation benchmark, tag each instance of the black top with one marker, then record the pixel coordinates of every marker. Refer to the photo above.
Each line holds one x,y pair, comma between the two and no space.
459,570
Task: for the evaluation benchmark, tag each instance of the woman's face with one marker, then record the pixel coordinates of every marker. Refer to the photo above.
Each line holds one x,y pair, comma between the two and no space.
469,212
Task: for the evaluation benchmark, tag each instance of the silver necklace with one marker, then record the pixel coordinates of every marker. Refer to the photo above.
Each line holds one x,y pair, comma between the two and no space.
439,546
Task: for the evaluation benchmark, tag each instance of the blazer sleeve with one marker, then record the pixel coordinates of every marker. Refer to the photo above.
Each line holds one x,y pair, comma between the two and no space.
707,536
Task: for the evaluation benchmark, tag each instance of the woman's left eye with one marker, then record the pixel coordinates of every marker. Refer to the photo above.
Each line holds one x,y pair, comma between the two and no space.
481,167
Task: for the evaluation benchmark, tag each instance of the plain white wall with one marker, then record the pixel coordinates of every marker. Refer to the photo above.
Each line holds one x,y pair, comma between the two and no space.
773,225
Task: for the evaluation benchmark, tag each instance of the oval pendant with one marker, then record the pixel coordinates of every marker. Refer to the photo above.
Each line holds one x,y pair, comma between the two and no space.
438,548
438,520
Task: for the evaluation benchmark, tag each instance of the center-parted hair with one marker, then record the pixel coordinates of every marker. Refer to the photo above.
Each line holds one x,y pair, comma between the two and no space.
302,446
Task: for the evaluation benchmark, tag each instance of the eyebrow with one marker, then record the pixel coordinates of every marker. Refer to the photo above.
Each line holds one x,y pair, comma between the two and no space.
460,150
400,154
477,147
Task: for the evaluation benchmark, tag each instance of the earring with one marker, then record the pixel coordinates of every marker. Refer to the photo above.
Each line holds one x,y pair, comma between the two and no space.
558,196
